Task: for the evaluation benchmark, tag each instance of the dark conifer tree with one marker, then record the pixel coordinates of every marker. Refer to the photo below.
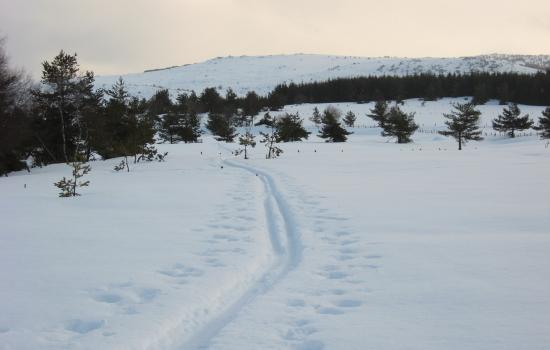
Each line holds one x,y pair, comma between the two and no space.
350,119
510,121
379,113
331,129
59,105
220,126
160,103
190,130
211,101
462,124
399,124
544,124
289,128
170,127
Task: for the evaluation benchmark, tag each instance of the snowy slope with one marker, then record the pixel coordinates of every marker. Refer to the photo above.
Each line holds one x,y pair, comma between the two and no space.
263,73
362,245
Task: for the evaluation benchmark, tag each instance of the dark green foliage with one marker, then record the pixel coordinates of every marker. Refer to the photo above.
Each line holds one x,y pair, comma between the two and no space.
16,140
160,103
394,122
220,126
331,129
350,119
544,124
211,101
462,123
514,87
399,124
289,128
60,108
190,130
180,127
170,127
379,112
510,121
251,104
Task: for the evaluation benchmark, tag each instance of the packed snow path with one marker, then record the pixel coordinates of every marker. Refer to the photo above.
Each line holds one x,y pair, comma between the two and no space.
284,236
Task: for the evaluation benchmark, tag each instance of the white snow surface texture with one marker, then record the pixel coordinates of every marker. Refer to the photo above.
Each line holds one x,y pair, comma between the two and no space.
262,73
366,244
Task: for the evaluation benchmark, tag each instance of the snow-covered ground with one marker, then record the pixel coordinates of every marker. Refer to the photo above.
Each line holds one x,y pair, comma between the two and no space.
262,73
361,245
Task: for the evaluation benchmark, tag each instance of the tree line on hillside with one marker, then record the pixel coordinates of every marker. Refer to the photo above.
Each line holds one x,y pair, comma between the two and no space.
65,119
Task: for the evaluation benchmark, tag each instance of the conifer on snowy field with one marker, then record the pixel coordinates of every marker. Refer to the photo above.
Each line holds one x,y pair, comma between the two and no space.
246,140
463,123
544,124
316,117
331,129
69,186
350,119
290,128
379,112
510,121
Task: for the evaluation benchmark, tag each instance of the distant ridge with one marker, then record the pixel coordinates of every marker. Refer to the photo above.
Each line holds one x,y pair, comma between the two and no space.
263,73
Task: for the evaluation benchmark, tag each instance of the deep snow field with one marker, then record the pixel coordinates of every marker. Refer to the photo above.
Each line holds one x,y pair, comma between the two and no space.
361,245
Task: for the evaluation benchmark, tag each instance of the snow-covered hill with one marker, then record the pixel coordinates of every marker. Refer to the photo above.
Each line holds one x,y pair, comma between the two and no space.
263,73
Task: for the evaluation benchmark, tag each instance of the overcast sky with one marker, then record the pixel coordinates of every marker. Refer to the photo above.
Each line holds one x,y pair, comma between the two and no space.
123,36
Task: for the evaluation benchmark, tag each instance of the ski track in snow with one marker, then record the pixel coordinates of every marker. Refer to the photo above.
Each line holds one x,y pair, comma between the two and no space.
286,246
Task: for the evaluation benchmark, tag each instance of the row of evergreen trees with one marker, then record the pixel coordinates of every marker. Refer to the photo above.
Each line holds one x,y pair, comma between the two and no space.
64,118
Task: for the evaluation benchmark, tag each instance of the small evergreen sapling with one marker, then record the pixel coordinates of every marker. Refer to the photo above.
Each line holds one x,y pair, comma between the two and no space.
544,124
350,119
510,121
246,140
69,186
462,123
316,117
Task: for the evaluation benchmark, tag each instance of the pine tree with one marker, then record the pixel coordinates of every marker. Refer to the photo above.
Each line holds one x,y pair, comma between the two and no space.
331,129
379,113
220,126
463,123
399,124
60,101
190,129
289,128
350,119
69,186
170,127
246,140
544,124
316,117
510,121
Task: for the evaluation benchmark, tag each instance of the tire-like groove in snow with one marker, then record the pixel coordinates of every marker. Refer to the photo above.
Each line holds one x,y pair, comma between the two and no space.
287,252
